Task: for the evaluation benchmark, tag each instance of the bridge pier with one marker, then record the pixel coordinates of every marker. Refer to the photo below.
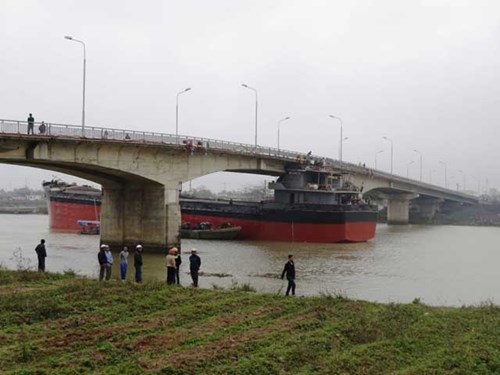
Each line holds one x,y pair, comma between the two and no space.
136,213
424,209
398,207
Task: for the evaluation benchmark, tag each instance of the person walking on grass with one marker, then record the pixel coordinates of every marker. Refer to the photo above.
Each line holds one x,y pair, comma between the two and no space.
101,258
41,254
109,262
138,263
289,270
170,264
124,263
194,266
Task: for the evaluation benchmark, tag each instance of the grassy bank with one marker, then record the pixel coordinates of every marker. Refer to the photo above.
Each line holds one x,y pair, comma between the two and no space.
57,324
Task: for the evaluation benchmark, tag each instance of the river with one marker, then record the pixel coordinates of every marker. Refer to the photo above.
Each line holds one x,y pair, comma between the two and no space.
440,265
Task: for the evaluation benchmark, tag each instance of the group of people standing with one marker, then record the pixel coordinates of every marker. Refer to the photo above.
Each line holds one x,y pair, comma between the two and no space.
105,259
31,126
173,263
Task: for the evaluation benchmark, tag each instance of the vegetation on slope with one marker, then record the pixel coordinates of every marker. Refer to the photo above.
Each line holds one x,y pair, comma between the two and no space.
60,324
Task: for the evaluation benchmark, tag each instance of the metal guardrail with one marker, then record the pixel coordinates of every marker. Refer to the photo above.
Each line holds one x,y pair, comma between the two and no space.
133,136
124,135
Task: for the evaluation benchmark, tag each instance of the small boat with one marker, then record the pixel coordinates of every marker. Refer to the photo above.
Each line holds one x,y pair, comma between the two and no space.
89,226
204,231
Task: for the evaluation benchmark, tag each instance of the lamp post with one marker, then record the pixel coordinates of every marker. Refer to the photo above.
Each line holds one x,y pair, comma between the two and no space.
392,151
408,168
420,154
177,113
279,122
445,174
84,72
256,108
378,152
341,137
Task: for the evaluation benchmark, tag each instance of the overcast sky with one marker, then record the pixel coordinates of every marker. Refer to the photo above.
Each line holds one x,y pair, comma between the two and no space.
424,73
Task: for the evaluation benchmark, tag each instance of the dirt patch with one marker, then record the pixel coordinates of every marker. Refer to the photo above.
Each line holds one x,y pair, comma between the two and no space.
78,333
229,347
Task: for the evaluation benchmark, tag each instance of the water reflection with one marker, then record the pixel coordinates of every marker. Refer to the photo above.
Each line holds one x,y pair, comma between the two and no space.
442,265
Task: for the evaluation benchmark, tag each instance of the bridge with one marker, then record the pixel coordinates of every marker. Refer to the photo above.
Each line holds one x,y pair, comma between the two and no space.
141,173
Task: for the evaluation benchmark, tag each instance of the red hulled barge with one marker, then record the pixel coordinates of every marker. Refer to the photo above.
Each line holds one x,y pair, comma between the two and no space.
311,204
70,204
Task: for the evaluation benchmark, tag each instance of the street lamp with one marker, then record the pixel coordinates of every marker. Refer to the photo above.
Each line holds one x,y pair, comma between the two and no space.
177,113
256,107
341,137
408,168
84,71
392,151
418,152
279,122
378,152
445,174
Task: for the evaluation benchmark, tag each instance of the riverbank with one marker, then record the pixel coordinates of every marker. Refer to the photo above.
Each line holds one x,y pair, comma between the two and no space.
55,324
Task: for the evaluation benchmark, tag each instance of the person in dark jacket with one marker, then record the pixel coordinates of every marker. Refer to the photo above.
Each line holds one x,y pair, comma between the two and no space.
178,262
289,270
103,261
194,267
42,254
31,124
138,263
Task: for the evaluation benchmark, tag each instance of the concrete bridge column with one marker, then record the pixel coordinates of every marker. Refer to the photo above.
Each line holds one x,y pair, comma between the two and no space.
424,209
145,214
398,208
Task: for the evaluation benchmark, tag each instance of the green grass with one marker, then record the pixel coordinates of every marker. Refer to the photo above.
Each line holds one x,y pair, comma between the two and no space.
62,324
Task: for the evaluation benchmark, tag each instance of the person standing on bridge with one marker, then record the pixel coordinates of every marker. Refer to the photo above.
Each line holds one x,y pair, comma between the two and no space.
31,124
289,270
138,263
42,128
41,254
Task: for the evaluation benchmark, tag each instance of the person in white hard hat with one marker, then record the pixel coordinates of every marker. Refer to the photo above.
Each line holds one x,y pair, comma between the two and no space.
138,263
194,266
103,260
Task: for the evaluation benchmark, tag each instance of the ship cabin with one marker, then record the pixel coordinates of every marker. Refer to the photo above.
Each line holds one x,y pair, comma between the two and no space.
314,185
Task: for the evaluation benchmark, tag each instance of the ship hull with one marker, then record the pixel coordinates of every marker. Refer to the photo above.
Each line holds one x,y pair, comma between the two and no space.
65,213
302,224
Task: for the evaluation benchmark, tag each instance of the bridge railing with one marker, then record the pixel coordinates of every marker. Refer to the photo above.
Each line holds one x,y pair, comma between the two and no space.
123,135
